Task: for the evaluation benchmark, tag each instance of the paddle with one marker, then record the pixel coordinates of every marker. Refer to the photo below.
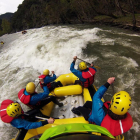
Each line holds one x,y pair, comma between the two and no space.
112,85
37,117
39,81
89,63
41,118
37,85
34,111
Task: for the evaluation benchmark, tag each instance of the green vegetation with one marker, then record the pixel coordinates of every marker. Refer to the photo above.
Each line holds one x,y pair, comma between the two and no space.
102,17
5,27
126,20
38,13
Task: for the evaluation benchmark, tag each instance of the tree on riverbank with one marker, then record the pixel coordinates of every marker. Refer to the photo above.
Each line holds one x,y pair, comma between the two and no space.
38,13
5,27
133,13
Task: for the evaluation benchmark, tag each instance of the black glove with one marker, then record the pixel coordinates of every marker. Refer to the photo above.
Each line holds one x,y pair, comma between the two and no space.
44,122
106,84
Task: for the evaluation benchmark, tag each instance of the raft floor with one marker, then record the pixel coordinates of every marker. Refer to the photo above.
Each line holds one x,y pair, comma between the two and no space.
69,102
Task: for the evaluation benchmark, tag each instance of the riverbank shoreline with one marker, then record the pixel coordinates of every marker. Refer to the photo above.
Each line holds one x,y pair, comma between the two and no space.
119,25
123,22
119,22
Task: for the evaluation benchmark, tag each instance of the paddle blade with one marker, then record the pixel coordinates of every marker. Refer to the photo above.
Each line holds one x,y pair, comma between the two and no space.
96,67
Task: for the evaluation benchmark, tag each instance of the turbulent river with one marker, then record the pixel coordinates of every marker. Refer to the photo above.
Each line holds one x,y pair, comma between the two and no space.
117,52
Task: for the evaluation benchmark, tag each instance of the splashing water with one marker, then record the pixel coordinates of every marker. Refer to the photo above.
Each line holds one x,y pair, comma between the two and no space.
24,57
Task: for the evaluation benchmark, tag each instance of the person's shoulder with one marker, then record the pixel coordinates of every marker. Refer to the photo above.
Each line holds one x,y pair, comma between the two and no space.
85,70
15,120
92,67
47,76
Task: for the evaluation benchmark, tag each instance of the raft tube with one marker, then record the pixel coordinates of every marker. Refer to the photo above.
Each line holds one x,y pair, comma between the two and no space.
68,89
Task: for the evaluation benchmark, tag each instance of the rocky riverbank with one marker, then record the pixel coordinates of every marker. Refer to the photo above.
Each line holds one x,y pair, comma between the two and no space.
120,22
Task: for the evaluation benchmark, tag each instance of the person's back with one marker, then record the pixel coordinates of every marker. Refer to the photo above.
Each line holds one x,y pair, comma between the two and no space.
11,112
86,75
29,97
111,115
48,80
116,124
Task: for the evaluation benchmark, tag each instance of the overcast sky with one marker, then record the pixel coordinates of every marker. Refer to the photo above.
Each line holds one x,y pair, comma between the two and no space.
9,6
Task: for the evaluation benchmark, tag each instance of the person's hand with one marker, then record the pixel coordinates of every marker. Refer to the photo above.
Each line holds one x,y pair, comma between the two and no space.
74,58
91,65
41,80
111,80
51,120
52,72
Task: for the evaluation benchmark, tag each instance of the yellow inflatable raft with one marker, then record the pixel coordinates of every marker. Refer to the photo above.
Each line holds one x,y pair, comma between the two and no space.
2,42
68,90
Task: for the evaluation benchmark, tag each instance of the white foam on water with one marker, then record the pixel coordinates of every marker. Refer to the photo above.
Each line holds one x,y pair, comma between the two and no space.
121,33
110,54
136,126
125,40
24,57
127,44
130,62
51,48
107,41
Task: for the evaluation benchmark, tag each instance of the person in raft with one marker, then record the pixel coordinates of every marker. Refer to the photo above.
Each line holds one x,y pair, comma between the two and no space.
112,115
49,81
85,75
2,42
11,112
24,32
29,97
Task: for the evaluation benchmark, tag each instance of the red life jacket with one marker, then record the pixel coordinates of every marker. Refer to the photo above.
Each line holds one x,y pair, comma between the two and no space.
25,99
89,76
48,84
117,127
4,116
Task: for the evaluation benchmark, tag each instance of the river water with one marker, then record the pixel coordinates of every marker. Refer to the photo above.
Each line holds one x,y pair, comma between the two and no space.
117,52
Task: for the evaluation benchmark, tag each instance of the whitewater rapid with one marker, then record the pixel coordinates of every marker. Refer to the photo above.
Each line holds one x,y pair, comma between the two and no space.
24,57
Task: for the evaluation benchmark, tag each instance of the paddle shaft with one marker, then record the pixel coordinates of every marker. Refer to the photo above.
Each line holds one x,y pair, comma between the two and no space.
41,118
39,82
112,85
89,63
84,61
37,117
33,111
37,85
